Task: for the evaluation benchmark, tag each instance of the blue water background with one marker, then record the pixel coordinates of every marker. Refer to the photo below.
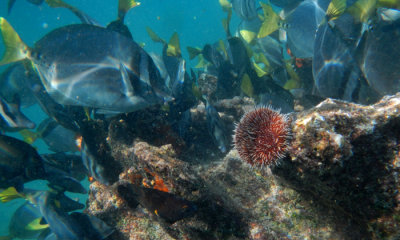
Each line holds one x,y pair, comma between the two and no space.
197,23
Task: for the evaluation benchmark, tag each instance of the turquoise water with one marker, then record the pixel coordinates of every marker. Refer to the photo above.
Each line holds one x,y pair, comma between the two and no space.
196,25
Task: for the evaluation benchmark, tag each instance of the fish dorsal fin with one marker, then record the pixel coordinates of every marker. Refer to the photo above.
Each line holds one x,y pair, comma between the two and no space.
154,36
270,23
174,48
16,50
124,6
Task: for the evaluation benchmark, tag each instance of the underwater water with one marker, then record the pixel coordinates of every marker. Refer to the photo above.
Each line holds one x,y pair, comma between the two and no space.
87,85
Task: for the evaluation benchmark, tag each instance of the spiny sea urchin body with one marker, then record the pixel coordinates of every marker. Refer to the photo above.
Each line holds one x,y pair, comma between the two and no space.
261,137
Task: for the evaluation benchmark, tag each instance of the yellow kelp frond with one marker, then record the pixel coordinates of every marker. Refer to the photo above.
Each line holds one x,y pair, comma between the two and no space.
174,47
10,194
16,50
247,86
124,6
193,52
335,9
226,5
270,23
362,10
154,36
35,225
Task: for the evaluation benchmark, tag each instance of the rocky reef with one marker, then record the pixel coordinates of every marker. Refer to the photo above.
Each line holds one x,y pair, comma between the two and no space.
339,179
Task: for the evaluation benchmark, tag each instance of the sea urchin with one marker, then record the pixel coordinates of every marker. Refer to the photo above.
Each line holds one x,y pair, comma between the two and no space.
261,137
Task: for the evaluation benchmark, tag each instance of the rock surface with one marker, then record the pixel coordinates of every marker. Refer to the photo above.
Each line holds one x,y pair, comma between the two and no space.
340,180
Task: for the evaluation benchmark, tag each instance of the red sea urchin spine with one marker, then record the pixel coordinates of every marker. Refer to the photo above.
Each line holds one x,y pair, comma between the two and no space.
261,137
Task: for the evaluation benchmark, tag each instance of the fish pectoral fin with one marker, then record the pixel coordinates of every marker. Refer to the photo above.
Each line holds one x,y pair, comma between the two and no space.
36,225
129,90
16,50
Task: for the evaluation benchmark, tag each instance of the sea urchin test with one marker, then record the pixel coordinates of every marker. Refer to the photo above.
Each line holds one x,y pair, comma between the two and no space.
261,137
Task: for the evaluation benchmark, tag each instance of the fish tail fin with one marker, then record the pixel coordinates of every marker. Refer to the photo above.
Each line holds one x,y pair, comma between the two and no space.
294,81
174,46
335,9
248,35
87,113
226,22
16,50
10,5
201,62
57,4
247,86
124,6
259,71
395,4
10,194
29,136
271,21
36,225
6,238
193,52
363,9
226,5
154,36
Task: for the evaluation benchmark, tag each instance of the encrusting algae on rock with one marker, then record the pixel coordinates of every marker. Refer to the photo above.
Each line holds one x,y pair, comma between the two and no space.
339,180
